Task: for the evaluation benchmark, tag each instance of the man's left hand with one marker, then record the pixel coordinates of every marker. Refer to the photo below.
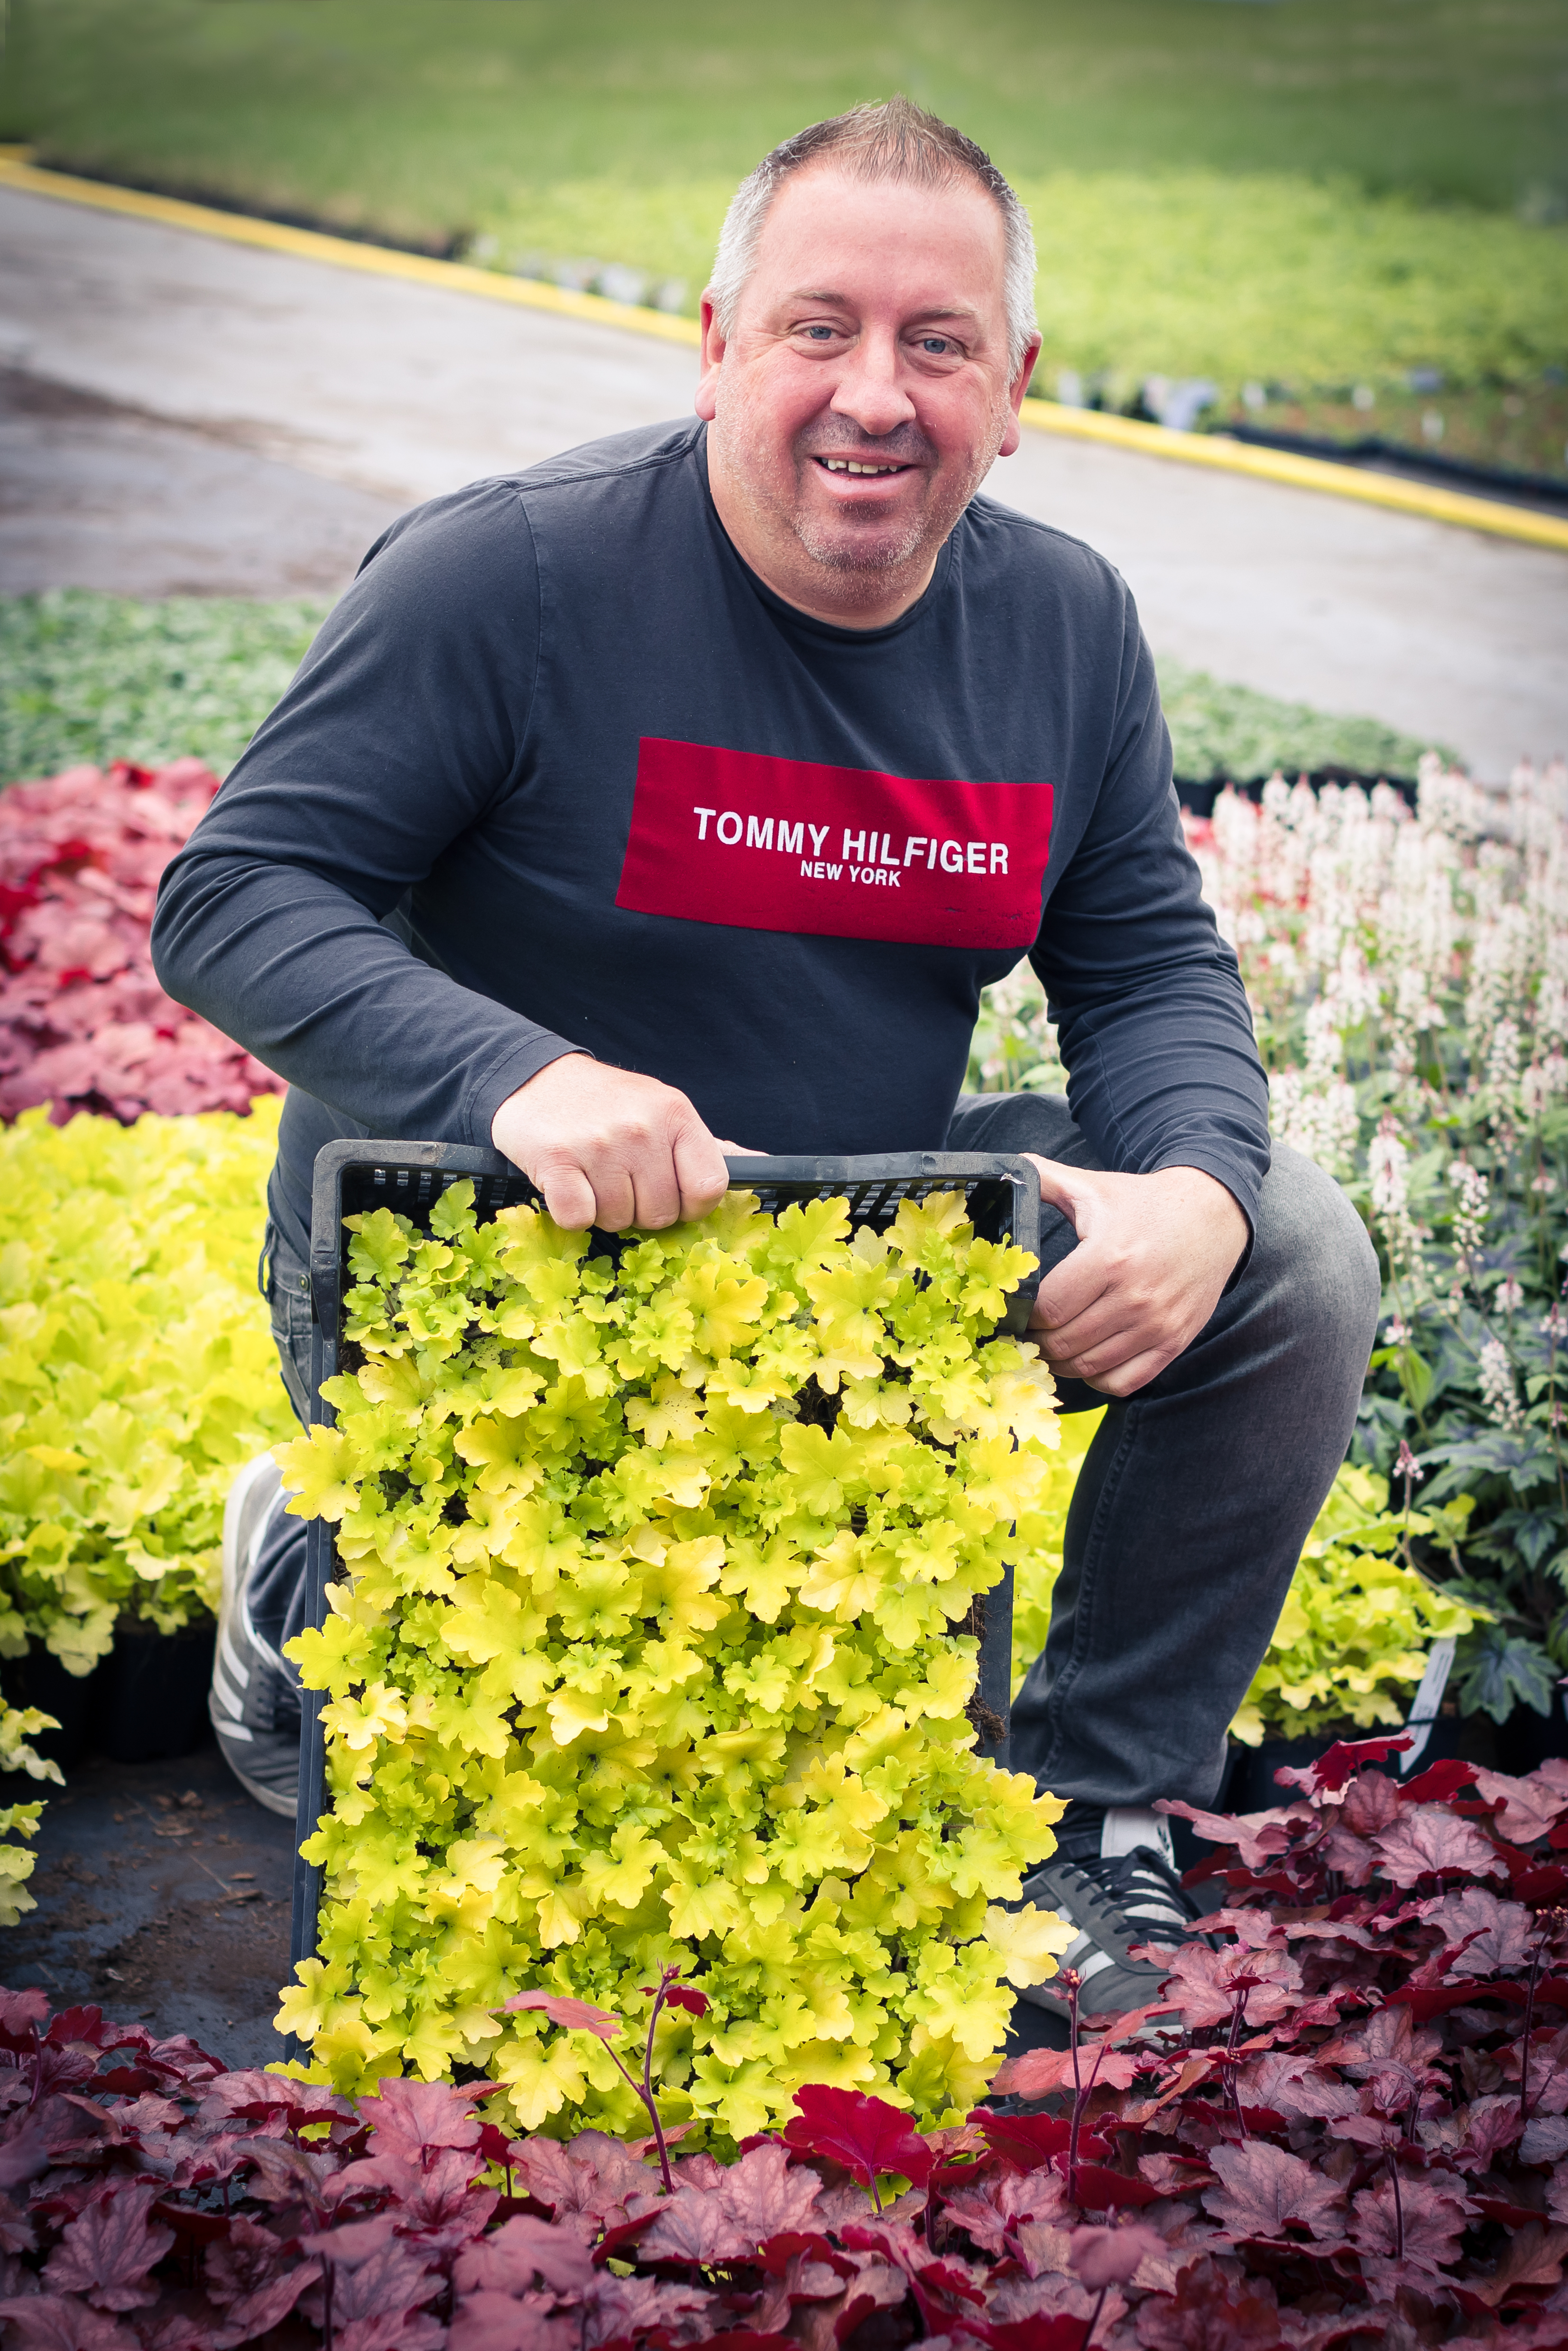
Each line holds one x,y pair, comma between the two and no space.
1153,1254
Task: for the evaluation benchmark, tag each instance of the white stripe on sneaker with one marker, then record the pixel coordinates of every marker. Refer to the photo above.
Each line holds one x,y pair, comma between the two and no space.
230,1656
231,1703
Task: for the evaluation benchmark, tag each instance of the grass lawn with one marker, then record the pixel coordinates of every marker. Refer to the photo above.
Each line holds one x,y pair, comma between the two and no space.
419,116
1291,201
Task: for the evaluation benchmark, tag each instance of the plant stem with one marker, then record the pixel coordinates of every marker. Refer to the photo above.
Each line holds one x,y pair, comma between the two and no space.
1094,2321
1080,2095
1398,2209
1536,1957
644,2088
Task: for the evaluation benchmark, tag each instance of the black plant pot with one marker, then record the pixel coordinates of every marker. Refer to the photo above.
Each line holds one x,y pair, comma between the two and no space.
40,1679
1525,1738
153,1700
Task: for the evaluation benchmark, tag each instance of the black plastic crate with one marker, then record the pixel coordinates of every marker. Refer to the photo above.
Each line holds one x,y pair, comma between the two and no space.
1002,1200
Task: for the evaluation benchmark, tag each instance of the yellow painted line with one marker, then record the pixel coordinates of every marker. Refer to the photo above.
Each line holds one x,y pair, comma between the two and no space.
1489,514
345,253
1301,473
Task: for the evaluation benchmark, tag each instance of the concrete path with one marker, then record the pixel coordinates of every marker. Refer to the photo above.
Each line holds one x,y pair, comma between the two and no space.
181,413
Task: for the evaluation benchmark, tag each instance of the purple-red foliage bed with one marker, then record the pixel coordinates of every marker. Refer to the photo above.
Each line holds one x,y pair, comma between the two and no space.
83,1022
1345,2127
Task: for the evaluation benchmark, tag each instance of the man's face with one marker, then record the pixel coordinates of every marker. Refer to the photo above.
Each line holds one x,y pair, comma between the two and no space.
864,390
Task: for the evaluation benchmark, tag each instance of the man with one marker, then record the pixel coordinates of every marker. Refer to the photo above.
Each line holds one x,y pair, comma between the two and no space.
691,786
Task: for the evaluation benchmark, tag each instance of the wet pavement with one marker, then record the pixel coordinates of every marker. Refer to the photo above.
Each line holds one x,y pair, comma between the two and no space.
164,1895
261,416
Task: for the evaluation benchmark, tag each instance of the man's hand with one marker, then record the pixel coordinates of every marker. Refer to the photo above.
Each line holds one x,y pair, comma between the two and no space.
1153,1254
610,1148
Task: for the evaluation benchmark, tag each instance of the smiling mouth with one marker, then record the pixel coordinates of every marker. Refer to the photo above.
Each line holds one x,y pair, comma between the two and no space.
853,465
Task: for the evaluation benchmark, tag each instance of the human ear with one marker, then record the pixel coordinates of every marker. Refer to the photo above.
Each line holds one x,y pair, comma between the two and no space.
1011,437
705,400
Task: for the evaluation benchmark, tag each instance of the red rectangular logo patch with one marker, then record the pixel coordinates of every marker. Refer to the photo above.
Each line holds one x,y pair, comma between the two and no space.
767,844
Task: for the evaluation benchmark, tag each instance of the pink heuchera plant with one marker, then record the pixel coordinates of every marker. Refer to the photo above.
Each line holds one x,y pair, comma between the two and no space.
1344,2123
84,1024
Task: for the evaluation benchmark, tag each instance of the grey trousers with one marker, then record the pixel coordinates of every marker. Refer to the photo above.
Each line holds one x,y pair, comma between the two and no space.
1190,1509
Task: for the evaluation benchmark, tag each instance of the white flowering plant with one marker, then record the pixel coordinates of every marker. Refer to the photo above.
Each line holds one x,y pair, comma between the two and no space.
1407,969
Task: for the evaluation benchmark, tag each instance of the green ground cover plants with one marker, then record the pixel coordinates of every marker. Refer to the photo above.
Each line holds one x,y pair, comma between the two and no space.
88,679
388,113
1268,283
93,678
1298,201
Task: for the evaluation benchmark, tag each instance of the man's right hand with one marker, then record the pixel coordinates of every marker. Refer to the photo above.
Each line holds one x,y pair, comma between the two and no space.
610,1148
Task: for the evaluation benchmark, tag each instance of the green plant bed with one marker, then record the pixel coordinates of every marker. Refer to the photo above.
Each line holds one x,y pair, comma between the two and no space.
1223,732
389,112
1302,198
86,679
1510,428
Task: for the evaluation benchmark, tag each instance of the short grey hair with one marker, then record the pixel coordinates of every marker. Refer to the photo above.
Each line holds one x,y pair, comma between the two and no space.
896,141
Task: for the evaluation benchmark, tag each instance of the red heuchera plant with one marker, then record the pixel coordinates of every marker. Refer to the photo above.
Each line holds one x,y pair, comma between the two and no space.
1343,2125
83,1022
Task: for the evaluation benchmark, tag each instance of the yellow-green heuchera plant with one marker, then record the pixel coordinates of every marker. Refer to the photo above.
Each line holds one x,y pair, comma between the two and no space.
644,1650
137,1371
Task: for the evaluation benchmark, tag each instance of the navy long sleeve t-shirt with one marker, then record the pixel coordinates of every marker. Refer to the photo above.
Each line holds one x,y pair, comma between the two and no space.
559,772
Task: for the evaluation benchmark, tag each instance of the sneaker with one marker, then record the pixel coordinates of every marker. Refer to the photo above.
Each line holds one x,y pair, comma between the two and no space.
248,1675
1128,1894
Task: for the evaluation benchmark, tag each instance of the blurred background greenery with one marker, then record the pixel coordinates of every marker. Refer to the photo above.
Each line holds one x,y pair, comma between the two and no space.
1339,217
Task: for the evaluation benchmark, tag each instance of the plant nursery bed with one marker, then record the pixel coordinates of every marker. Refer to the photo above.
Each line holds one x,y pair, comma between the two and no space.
162,1893
1340,2125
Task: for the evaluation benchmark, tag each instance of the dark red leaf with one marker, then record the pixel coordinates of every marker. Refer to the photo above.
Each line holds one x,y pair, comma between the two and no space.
1264,2190
190,2227
1439,1784
414,2119
21,2014
1346,1756
1100,2191
575,2015
1104,2257
1547,1882
864,2133
1037,2334
254,2315
686,1996
775,2256
1026,2141
1426,2001
108,2251
50,2322
1209,2313
522,2250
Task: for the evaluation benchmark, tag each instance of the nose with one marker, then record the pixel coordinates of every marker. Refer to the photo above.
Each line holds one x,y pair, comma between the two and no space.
868,390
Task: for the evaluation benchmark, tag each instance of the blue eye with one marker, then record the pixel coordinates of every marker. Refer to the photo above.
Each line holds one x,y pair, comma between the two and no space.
820,334
936,343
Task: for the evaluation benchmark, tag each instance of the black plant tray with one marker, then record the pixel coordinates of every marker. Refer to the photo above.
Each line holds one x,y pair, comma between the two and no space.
1002,1198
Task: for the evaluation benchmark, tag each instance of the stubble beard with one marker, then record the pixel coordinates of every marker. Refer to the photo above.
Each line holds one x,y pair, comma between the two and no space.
866,550
862,551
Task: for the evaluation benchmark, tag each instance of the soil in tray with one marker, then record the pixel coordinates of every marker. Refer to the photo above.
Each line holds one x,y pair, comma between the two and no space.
163,1894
